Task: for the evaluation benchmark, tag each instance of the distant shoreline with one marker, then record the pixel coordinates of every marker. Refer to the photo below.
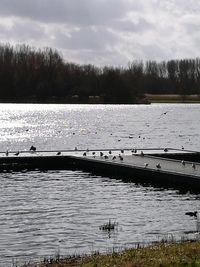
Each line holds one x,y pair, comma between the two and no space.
172,98
147,99
71,100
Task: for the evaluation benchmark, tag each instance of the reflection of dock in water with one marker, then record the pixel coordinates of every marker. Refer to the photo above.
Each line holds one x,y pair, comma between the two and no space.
175,167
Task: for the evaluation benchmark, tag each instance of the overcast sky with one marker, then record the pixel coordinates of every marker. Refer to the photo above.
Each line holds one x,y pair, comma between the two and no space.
105,32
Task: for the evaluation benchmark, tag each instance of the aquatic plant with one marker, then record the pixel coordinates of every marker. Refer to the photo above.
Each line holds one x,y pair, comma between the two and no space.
108,226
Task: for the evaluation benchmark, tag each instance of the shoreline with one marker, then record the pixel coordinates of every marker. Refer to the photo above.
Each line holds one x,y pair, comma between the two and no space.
173,98
165,254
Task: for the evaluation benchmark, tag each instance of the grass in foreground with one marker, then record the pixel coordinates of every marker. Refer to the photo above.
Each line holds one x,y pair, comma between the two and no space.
165,255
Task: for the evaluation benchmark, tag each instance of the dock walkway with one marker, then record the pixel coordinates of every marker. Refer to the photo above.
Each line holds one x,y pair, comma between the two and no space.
150,162
172,166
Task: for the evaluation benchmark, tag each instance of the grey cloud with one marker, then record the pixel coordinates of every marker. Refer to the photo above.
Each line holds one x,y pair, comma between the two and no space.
141,25
102,58
79,12
154,52
22,31
104,31
86,39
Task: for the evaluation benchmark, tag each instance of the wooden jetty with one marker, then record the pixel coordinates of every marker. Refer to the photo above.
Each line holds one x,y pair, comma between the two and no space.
161,166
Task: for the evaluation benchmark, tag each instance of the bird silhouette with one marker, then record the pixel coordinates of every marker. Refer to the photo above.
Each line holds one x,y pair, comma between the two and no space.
158,166
164,113
32,148
193,166
192,213
59,153
120,157
183,162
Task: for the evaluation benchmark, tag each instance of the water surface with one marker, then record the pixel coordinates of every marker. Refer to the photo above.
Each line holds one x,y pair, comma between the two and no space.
44,213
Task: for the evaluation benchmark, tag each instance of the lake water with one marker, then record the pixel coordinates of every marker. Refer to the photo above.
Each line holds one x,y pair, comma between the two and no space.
46,213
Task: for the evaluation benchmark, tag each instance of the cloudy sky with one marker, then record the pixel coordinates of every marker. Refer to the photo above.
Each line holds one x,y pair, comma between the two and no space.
105,32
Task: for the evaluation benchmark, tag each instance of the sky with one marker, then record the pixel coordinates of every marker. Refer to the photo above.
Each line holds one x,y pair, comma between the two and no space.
105,32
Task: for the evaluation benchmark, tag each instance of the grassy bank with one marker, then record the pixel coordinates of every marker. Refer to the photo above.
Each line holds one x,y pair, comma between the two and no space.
163,254
173,98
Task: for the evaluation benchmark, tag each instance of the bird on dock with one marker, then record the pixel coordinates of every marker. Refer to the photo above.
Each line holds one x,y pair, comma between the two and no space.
93,153
122,151
193,166
59,153
142,154
114,157
158,166
146,165
165,150
182,147
105,157
192,213
75,148
183,162
134,150
32,148
17,153
101,154
7,152
84,154
110,152
120,157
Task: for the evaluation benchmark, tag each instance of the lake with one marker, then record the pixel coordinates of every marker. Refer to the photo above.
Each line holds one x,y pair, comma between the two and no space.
46,213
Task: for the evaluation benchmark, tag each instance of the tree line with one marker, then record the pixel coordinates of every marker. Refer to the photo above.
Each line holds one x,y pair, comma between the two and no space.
42,75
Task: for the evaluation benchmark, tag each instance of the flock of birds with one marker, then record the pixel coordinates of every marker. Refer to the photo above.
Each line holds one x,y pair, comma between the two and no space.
32,149
134,151
114,157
